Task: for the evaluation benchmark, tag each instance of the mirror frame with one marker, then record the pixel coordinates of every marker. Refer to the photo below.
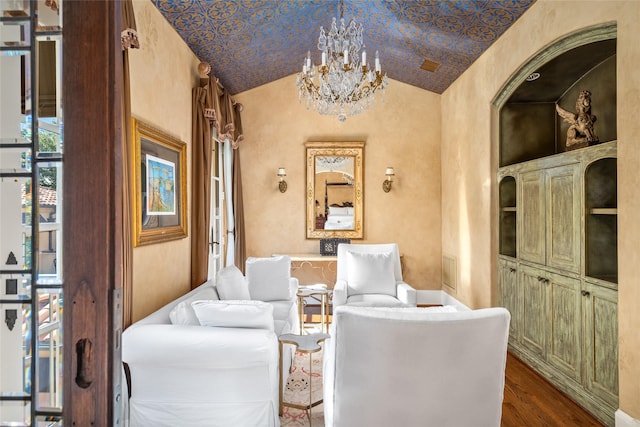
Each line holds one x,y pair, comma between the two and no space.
342,149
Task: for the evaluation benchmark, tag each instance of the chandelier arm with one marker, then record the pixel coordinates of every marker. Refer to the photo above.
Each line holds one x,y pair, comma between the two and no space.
345,86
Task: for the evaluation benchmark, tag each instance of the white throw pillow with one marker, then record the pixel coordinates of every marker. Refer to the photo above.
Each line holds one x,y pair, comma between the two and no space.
268,278
234,314
183,314
231,285
370,273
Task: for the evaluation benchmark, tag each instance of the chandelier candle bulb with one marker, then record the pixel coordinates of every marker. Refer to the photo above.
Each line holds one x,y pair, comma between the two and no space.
342,86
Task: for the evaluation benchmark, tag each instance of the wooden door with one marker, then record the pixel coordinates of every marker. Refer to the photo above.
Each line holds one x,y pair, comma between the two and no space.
534,313
92,90
565,333
600,307
563,217
531,208
509,295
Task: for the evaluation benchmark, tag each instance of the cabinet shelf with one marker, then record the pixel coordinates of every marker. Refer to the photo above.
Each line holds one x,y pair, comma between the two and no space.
603,211
509,209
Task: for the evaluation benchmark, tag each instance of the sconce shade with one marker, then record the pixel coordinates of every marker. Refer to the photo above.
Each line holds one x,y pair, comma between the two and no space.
282,185
386,184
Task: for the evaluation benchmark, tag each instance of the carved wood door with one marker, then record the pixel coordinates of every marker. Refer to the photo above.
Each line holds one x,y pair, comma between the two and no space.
92,93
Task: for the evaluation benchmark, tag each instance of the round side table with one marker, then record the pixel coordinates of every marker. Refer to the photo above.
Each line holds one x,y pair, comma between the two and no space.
304,344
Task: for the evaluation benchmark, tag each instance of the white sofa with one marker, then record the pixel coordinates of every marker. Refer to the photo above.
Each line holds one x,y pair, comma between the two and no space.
414,367
191,375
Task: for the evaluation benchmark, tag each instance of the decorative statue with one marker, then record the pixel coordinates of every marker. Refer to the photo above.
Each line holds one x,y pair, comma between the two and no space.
581,129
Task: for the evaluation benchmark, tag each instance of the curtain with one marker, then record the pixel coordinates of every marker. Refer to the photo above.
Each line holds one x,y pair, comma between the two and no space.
200,187
214,114
205,123
129,38
238,205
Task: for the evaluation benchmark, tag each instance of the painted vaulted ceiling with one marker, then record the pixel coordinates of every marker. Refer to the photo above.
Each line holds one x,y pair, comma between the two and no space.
252,42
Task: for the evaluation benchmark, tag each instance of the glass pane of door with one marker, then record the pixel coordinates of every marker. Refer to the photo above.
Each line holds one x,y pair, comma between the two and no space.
31,147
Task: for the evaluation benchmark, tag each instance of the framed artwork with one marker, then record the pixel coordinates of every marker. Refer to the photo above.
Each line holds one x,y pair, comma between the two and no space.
160,180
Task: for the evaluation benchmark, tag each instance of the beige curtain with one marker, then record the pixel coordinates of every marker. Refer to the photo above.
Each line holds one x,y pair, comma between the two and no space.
213,110
129,38
238,205
200,185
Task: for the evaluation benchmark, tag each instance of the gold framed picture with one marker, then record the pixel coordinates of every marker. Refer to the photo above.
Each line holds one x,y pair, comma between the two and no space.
160,181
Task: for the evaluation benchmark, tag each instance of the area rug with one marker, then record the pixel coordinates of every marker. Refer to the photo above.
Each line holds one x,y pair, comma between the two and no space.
299,383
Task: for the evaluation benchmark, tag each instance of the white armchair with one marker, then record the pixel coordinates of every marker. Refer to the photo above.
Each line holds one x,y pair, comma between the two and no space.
371,275
387,366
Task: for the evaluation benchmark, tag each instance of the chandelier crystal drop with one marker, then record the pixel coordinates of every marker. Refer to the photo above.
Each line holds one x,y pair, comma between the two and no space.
343,84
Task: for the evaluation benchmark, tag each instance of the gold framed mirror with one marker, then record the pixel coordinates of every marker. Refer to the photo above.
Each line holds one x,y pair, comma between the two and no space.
335,189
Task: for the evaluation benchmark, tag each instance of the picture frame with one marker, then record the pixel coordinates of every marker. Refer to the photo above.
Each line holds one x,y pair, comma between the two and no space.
160,185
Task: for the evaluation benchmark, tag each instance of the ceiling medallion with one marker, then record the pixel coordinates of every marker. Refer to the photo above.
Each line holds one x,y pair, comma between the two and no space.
344,84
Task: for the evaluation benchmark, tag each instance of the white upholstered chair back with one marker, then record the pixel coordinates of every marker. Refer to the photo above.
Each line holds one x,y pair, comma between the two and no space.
343,248
414,367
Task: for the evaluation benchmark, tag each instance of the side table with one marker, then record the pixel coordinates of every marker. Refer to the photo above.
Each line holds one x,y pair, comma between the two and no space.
304,344
318,290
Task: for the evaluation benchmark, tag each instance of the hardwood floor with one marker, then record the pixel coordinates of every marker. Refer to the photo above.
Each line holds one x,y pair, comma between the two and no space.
530,400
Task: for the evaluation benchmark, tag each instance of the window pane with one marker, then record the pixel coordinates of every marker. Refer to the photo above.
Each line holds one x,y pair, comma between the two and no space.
49,421
15,353
15,87
15,227
50,135
50,228
49,379
15,8
15,33
15,160
15,412
15,286
49,16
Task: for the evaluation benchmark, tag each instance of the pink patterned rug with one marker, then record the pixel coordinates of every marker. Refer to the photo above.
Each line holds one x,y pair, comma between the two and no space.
298,387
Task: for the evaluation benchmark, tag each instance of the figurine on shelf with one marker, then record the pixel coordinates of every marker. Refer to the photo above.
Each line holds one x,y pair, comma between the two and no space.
580,132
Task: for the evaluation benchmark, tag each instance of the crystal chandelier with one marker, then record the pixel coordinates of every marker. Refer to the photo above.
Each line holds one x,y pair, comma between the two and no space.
344,84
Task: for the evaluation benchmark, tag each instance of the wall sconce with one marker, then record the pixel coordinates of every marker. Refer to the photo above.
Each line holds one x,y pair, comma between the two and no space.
282,184
386,184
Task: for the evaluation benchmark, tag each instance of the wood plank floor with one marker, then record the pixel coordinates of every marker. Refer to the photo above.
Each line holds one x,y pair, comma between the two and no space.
530,400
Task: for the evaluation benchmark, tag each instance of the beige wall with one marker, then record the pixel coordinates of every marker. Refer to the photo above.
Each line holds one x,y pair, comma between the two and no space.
402,130
469,162
163,72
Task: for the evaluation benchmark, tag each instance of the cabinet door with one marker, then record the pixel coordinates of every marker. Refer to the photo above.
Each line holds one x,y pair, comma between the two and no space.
532,217
601,342
564,348
563,217
534,313
508,292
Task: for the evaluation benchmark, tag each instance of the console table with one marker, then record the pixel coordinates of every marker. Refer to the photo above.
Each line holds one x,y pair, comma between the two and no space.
311,268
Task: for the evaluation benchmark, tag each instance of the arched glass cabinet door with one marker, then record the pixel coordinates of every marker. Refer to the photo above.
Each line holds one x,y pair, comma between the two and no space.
31,152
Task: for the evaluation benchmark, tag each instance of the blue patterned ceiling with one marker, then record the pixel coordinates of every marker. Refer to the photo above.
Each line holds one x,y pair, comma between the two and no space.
252,42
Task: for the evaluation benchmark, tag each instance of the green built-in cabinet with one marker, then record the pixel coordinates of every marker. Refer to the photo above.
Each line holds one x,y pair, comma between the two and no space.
557,270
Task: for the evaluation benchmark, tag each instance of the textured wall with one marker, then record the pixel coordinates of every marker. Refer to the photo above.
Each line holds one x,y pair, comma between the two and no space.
469,162
402,130
163,72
